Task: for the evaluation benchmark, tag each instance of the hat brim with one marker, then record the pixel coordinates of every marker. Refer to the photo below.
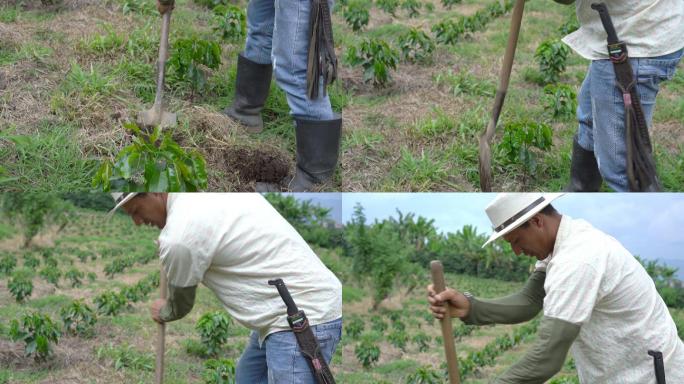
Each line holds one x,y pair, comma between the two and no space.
548,198
123,201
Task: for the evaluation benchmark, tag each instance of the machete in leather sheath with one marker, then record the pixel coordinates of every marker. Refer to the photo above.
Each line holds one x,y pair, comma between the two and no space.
641,171
305,336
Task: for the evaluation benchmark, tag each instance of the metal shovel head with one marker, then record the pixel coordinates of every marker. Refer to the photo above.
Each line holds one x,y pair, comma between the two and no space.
153,117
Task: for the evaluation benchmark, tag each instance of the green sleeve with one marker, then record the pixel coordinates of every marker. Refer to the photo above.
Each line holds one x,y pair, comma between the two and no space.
179,303
516,308
546,356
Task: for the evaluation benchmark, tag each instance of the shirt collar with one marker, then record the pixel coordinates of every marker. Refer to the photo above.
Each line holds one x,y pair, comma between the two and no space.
562,235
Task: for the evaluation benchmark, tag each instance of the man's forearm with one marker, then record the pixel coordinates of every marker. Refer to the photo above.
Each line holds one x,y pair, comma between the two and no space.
546,356
516,308
179,303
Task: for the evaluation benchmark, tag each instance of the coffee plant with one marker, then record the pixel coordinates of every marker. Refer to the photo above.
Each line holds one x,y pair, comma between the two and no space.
79,318
367,352
422,340
229,22
51,275
376,57
20,284
142,7
416,46
424,375
354,327
551,56
448,31
110,303
378,324
449,3
398,338
412,7
357,14
188,59
219,371
213,329
520,137
118,266
569,27
75,276
31,261
37,331
560,100
7,263
153,162
388,6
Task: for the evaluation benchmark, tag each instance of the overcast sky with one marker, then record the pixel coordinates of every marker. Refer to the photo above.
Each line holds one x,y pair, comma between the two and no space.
649,225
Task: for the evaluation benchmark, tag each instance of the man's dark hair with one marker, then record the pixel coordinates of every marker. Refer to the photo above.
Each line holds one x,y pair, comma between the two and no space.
549,210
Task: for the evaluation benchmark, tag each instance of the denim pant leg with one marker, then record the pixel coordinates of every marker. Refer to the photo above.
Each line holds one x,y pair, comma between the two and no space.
260,20
585,131
608,110
251,368
290,52
286,364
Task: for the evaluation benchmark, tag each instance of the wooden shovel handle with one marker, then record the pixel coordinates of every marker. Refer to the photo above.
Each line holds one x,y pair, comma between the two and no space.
504,77
447,332
161,335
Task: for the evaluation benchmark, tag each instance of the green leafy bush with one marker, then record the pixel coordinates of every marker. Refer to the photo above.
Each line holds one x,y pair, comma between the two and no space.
449,3
424,375
376,57
110,303
142,7
388,6
448,31
219,371
211,4
20,284
188,59
153,162
31,261
75,276
37,331
7,263
51,274
520,137
213,329
357,14
354,327
560,100
398,338
78,318
422,340
416,46
378,324
229,22
367,352
412,7
35,210
551,56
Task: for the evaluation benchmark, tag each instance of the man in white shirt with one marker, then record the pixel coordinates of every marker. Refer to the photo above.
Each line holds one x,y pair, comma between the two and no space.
652,30
597,300
234,244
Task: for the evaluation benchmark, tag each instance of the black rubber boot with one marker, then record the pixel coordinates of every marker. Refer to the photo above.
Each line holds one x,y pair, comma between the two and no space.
318,146
584,172
252,83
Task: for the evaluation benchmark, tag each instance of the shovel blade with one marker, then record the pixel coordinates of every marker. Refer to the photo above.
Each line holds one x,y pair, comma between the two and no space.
152,118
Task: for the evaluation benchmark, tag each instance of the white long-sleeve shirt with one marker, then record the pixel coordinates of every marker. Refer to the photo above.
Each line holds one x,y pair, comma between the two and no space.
650,28
234,243
593,281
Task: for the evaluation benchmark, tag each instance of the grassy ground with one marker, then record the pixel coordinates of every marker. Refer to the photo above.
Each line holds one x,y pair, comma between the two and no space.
70,74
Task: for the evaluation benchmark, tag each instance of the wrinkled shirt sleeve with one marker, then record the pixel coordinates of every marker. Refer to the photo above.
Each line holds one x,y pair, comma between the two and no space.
572,292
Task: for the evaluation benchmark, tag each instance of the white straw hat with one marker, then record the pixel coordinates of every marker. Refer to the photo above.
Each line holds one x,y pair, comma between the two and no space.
120,198
508,211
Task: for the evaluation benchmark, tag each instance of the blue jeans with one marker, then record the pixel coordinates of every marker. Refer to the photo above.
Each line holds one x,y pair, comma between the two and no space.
278,33
279,361
600,106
